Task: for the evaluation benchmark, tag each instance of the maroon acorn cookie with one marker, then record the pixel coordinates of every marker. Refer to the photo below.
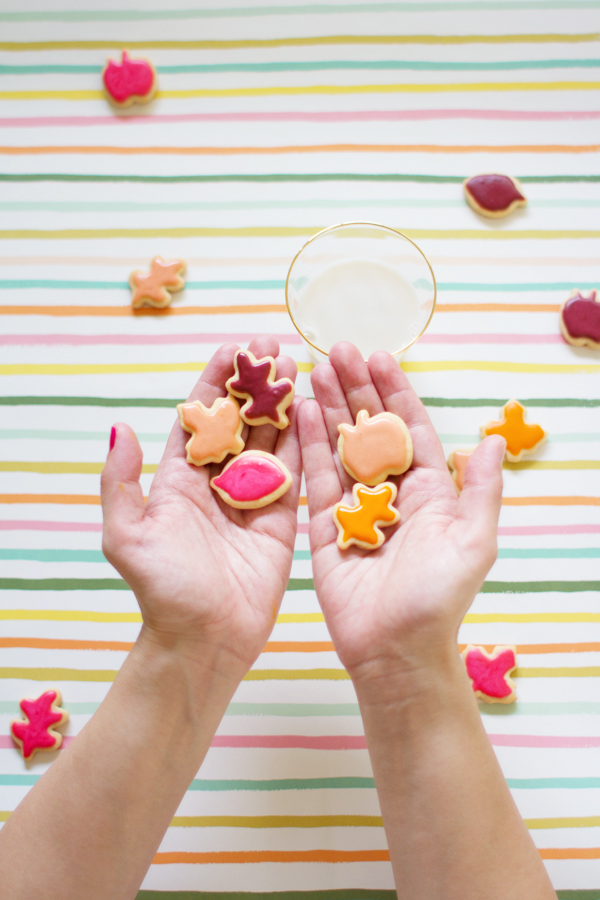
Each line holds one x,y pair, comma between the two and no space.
493,195
580,320
266,399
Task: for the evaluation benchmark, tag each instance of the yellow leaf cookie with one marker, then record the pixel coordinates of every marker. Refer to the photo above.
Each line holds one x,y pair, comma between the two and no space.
521,439
359,524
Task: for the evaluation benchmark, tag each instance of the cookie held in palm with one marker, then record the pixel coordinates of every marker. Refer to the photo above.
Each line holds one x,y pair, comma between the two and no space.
254,382
375,448
216,431
360,525
252,480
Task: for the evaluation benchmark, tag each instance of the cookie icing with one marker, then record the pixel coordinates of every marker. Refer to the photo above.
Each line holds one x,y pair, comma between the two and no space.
493,195
130,81
521,439
580,320
361,524
375,448
489,673
266,399
252,480
457,463
216,430
36,733
151,288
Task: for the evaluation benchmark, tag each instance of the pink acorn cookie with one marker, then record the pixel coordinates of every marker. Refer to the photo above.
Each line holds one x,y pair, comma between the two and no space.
493,195
129,81
580,320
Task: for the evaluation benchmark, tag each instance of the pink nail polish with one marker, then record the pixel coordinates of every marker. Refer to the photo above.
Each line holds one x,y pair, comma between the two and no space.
113,438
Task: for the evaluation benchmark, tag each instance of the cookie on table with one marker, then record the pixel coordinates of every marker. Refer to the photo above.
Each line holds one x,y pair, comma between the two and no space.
521,439
457,463
360,525
156,287
252,480
36,731
490,672
580,320
254,382
375,448
493,195
130,81
216,430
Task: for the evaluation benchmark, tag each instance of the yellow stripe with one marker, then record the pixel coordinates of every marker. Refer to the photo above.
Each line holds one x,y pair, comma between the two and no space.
470,234
284,618
67,615
458,365
481,618
565,822
113,368
558,464
558,672
277,821
4,814
297,675
65,468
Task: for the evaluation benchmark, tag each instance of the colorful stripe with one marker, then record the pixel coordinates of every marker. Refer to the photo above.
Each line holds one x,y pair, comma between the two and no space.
271,150
467,234
291,177
279,284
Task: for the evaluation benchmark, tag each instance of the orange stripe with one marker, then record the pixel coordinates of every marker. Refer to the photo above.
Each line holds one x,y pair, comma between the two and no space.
305,148
278,856
128,311
303,501
297,646
570,853
87,499
50,644
497,307
551,501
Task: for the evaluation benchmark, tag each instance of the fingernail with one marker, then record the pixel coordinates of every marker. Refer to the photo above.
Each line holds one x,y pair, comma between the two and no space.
113,438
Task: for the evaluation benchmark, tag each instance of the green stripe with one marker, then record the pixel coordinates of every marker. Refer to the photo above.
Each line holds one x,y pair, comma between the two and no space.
538,587
337,894
569,895
281,784
499,402
577,708
289,177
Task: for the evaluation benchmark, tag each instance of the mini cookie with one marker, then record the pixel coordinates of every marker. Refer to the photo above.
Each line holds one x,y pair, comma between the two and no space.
358,524
457,463
493,195
216,431
490,673
375,448
266,399
580,320
130,81
521,439
37,733
151,289
252,480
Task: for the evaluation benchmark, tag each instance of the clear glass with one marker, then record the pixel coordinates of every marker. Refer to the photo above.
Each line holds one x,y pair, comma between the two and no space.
360,282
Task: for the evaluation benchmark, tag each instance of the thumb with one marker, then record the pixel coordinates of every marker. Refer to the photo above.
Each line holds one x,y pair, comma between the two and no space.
481,497
120,489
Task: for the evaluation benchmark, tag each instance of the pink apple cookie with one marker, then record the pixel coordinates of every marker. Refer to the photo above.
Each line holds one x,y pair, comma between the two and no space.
130,81
37,731
490,672
580,320
252,480
254,382
493,195
216,430
375,448
156,288
457,463
360,525
521,439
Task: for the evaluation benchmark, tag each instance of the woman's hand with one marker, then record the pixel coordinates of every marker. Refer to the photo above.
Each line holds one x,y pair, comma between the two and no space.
206,576
400,607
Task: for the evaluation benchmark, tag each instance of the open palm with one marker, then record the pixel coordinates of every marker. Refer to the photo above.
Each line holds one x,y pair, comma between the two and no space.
202,571
409,596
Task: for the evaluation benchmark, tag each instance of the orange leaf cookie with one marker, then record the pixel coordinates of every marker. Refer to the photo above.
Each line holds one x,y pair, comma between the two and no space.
375,448
493,195
266,399
130,81
216,431
457,463
151,289
580,320
358,524
37,732
521,439
489,673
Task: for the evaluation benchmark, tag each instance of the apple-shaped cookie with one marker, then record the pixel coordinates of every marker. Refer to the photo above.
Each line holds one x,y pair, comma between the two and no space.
130,81
375,448
580,320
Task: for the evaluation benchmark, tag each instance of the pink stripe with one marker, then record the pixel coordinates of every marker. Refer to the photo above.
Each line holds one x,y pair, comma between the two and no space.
542,740
24,525
358,116
302,528
79,339
492,339
7,743
548,529
289,741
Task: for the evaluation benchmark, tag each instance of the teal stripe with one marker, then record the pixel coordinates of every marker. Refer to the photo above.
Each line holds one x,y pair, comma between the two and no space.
288,710
54,555
575,437
281,784
288,177
541,783
499,402
576,708
550,553
301,554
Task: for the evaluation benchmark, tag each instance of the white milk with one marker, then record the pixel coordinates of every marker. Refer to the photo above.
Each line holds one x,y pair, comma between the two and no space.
362,301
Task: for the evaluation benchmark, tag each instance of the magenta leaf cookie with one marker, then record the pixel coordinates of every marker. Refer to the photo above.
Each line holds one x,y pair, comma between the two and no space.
36,732
580,320
252,480
489,672
493,195
130,81
266,399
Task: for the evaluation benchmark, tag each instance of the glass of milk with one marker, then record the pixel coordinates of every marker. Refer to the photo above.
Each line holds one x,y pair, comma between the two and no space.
360,282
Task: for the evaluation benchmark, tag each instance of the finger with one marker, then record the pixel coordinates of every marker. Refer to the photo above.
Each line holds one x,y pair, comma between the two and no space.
287,449
355,379
398,397
120,490
481,497
332,400
323,485
265,437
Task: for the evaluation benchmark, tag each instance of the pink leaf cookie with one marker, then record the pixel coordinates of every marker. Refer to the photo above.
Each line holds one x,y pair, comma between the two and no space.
151,289
361,524
266,399
489,672
457,463
130,81
252,480
493,195
216,431
36,732
375,448
580,320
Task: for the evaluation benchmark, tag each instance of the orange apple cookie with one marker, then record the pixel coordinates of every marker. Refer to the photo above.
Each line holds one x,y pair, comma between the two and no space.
457,463
359,524
490,672
266,399
151,289
36,732
375,448
493,195
521,439
580,320
252,480
130,81
216,431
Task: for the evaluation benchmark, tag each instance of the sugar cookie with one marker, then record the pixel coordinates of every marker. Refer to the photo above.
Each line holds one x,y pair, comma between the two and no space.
375,448
580,320
130,81
216,430
36,732
252,480
266,399
489,672
358,524
457,463
493,195
151,288
521,439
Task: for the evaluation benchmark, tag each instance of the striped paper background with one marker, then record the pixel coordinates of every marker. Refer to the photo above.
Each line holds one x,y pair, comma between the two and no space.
272,122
